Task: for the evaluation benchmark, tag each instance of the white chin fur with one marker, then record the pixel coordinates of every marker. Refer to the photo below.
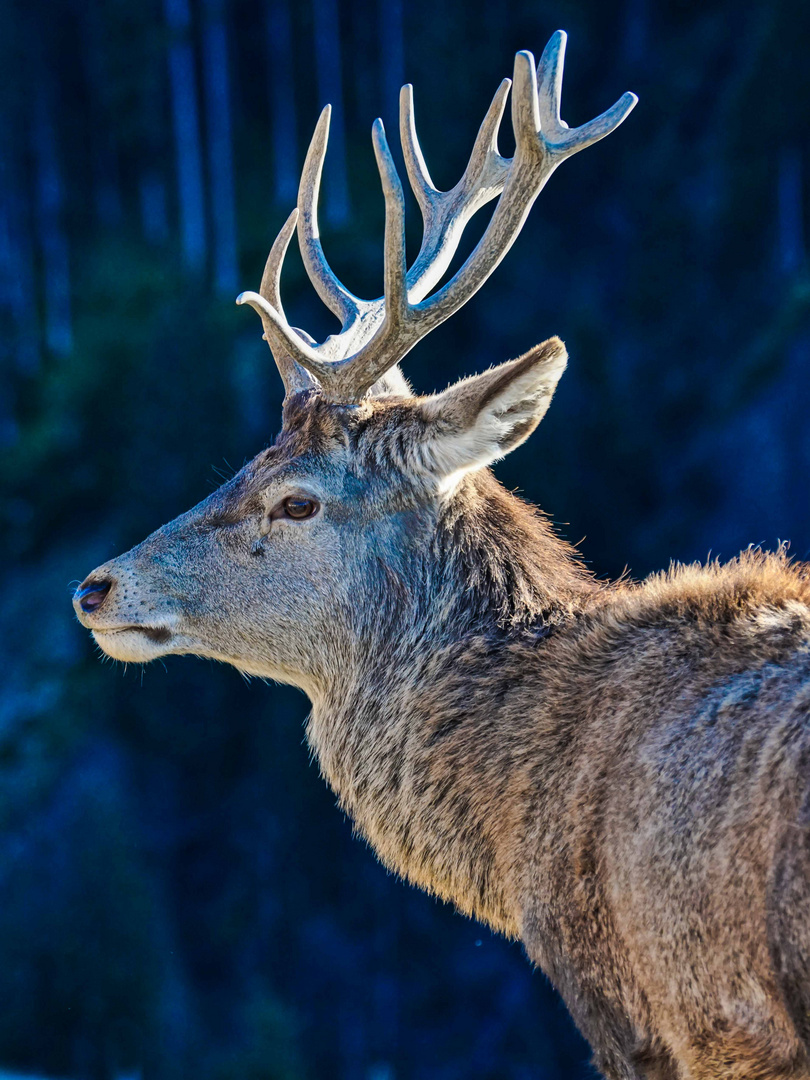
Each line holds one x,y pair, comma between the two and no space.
130,646
135,647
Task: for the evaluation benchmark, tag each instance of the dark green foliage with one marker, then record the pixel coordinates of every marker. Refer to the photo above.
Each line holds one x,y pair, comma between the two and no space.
177,893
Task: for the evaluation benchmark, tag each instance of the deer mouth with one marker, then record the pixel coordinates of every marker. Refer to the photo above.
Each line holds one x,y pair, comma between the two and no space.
159,634
134,644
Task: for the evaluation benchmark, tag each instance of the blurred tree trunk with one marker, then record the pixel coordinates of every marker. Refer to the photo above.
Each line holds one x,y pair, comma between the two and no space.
152,185
107,184
108,202
53,242
392,59
20,337
154,212
330,90
220,148
282,102
186,134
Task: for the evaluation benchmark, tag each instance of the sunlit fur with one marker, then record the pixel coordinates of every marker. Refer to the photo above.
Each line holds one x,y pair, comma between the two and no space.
617,774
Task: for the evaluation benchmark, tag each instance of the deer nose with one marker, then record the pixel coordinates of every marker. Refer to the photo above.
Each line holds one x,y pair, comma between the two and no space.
90,597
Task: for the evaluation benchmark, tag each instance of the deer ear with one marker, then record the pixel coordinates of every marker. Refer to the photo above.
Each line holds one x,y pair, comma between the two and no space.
480,419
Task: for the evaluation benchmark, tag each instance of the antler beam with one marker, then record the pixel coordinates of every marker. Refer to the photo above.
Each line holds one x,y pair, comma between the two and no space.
376,334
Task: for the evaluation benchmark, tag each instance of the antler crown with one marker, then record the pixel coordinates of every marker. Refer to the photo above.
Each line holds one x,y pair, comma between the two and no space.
376,334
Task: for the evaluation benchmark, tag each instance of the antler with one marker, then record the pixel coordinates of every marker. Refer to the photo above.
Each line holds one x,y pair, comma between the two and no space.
377,334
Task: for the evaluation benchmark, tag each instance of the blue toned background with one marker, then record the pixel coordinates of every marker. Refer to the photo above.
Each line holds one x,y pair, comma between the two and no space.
178,895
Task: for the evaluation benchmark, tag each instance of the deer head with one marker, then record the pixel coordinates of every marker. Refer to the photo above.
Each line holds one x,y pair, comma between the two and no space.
372,502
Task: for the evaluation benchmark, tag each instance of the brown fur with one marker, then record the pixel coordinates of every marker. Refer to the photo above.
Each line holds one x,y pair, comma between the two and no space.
615,774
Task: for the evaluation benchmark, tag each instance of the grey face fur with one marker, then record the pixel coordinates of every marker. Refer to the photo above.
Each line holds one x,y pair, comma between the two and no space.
241,580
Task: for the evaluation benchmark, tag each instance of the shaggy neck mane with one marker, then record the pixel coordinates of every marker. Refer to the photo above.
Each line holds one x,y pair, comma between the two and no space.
505,559
398,718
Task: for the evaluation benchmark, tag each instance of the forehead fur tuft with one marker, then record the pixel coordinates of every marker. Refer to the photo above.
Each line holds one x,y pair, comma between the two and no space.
313,424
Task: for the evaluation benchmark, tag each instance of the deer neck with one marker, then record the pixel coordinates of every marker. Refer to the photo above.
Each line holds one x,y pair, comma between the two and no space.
409,733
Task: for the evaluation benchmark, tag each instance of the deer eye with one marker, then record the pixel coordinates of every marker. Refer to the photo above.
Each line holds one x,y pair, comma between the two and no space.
299,508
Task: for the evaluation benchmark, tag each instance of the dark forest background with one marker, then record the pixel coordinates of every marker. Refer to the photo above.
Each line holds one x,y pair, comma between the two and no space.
178,895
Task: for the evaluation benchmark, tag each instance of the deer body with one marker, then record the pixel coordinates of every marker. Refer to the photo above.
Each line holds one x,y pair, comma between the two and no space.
620,789
615,774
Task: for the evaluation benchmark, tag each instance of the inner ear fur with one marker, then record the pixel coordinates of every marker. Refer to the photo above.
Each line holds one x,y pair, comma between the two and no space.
480,419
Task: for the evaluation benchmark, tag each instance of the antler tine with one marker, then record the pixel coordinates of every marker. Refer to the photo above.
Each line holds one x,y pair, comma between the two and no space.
560,139
292,374
286,342
396,302
606,122
332,291
446,213
271,278
550,76
422,186
525,107
389,343
486,170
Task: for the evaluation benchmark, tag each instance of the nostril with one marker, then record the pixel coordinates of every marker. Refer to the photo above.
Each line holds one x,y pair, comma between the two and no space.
92,596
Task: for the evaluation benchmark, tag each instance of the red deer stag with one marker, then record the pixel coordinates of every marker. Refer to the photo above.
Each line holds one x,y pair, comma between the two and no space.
616,774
